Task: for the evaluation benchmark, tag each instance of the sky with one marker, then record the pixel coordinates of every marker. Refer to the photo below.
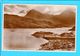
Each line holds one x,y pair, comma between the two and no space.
21,10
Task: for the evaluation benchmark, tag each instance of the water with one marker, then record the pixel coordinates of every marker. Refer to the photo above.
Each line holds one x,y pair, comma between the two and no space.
24,38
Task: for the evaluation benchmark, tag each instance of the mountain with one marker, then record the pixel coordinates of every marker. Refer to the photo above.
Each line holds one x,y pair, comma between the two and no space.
14,21
36,19
66,18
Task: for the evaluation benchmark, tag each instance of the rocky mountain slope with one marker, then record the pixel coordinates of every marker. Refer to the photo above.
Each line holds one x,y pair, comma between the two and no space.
35,19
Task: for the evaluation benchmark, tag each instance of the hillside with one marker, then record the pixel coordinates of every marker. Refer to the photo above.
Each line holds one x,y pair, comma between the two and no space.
35,19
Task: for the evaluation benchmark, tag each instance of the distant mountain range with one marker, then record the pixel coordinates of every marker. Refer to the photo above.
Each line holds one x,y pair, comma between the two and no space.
35,19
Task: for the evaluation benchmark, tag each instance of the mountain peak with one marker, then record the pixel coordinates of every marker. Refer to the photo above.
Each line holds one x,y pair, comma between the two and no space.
33,13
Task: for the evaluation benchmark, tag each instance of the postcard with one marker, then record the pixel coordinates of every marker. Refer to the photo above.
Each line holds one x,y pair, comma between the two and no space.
39,27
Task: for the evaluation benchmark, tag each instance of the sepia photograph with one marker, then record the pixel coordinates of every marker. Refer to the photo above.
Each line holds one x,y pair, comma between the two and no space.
39,27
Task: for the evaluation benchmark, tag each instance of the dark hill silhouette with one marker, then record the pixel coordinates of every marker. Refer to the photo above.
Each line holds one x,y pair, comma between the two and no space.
35,19
73,29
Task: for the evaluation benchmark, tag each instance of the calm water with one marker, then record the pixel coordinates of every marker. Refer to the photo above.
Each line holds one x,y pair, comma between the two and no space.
24,37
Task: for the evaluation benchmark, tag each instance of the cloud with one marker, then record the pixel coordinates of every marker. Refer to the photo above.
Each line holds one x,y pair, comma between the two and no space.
49,9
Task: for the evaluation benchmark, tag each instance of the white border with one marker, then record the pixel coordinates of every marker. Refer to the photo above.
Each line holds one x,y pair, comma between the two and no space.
38,50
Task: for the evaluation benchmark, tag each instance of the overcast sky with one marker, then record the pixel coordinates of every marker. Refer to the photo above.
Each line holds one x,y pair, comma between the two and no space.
22,10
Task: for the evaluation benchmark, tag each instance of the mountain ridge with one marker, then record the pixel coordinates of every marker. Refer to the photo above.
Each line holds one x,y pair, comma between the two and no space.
35,19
